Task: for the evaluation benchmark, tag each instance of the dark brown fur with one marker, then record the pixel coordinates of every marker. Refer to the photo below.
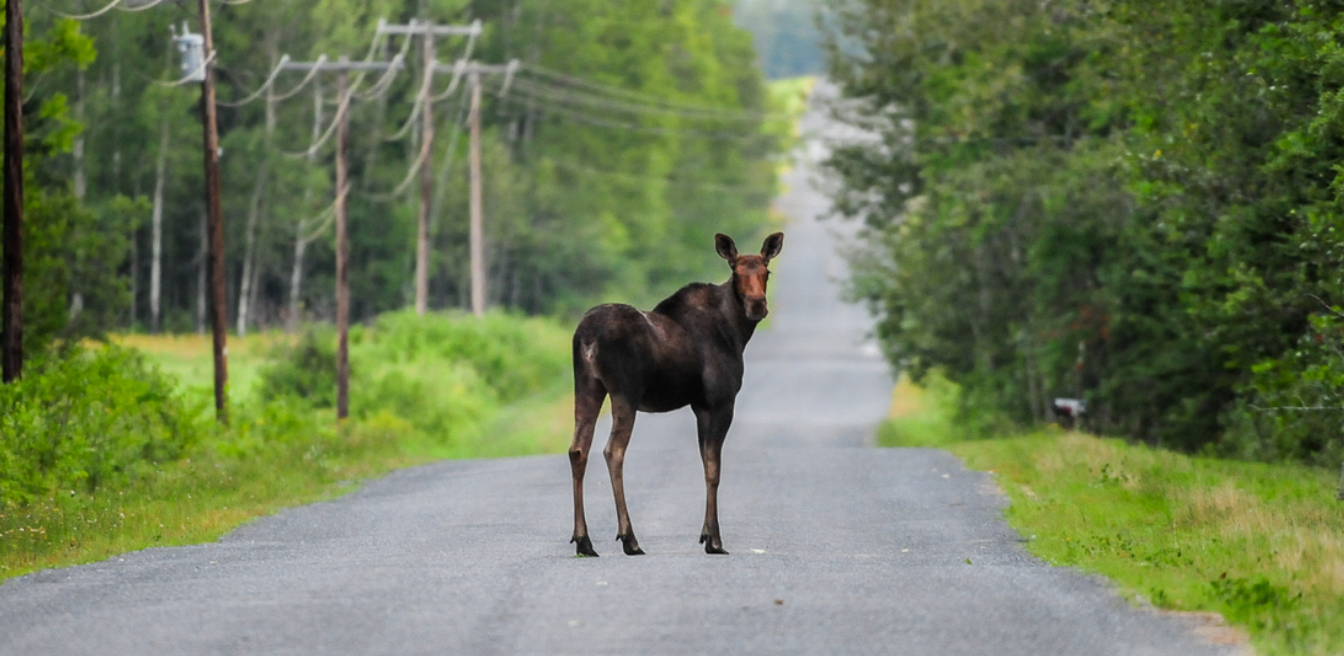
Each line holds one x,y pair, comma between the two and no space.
687,351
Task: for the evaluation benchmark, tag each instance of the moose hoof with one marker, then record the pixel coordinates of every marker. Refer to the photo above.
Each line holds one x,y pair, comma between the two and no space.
584,546
713,545
630,545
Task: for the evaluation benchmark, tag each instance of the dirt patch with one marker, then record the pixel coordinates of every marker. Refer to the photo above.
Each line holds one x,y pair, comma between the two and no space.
1212,629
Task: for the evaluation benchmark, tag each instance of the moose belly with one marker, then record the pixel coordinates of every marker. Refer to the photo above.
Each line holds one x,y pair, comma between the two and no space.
665,393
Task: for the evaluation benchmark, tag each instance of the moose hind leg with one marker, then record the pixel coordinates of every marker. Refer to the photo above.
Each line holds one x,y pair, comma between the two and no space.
622,425
713,428
588,399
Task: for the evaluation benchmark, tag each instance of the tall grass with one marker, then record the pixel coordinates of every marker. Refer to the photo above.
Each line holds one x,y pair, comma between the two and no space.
1261,544
423,388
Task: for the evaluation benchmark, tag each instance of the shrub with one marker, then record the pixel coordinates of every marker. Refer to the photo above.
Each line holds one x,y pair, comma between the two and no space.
443,374
305,370
91,418
1293,406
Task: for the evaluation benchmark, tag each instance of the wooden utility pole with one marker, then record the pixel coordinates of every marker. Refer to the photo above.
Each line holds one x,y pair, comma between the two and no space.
473,71
342,250
426,184
427,31
12,350
477,230
215,220
343,99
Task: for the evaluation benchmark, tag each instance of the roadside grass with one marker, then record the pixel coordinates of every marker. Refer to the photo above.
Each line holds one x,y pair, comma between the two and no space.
281,451
201,498
1261,544
190,358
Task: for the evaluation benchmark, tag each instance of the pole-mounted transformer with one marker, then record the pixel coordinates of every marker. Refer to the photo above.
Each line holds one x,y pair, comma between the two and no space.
192,48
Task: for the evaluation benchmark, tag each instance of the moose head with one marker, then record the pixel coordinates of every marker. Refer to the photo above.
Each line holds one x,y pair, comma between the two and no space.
750,272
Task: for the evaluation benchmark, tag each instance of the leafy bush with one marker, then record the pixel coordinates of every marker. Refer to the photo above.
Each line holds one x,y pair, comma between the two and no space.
512,354
443,374
1293,407
305,370
94,418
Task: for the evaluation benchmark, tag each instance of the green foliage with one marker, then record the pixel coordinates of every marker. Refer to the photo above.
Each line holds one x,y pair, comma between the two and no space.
101,454
73,287
443,375
1294,407
1131,202
1257,543
581,204
785,35
305,370
91,419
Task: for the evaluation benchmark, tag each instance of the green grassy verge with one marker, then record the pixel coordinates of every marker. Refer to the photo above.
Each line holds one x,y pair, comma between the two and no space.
1261,544
203,497
189,358
424,389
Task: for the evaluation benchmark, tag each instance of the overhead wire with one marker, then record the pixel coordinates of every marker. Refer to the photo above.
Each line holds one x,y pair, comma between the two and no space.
385,81
327,217
425,147
342,107
458,69
638,97
312,73
590,120
580,99
80,17
579,168
189,77
275,73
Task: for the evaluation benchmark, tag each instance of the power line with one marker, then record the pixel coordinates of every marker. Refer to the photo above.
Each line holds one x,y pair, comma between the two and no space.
591,120
583,100
646,99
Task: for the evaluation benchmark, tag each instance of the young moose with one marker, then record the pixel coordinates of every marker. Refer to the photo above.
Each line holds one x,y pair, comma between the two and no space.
687,351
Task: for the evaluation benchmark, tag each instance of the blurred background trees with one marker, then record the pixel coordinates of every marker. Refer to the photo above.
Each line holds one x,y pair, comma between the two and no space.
1133,202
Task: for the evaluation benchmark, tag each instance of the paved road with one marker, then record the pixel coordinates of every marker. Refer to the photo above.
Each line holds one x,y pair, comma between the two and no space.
837,547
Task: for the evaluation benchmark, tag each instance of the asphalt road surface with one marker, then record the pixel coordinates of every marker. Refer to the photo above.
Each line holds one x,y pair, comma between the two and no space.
836,547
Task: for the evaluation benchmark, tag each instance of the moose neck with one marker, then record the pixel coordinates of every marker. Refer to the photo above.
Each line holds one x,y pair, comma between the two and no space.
734,312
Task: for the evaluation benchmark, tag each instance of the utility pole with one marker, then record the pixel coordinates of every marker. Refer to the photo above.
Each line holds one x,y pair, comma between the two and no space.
12,350
477,230
343,99
473,71
342,249
197,65
427,31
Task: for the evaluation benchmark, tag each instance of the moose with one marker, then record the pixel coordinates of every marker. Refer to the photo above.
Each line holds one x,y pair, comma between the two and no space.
687,351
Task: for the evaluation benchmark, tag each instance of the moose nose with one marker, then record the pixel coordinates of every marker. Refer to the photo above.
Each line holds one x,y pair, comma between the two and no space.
756,308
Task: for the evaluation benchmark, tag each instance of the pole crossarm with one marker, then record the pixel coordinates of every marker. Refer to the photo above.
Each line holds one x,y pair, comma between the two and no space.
468,68
416,27
342,65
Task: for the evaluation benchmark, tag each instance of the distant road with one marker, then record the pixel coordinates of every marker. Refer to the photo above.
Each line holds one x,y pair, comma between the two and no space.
837,547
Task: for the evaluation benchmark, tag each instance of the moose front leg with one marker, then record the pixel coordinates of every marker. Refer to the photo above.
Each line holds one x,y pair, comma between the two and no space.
713,428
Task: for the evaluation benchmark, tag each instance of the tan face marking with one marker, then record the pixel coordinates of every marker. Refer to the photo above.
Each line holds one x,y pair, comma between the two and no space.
750,275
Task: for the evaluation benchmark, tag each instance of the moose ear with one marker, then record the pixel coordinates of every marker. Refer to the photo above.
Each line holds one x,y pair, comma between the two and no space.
772,246
727,249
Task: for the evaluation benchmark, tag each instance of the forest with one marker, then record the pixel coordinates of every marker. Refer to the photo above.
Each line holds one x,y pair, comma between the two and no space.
615,139
1139,204
619,143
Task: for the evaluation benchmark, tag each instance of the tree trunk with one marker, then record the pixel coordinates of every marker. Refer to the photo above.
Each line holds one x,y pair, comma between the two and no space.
300,239
156,232
77,152
250,251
